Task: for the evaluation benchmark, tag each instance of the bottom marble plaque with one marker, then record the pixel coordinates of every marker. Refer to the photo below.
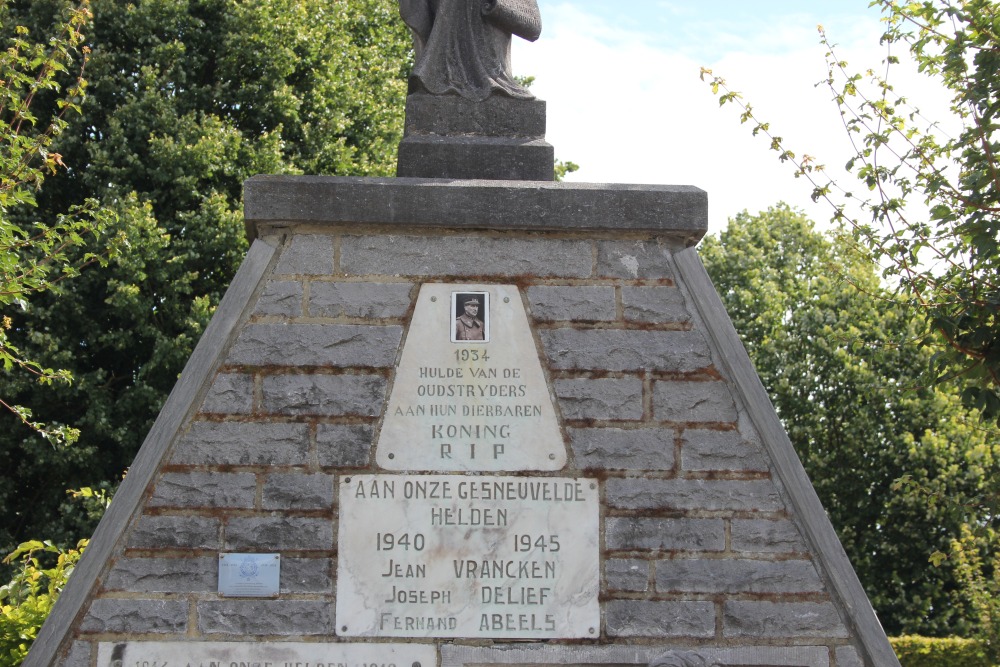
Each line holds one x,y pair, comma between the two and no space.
263,654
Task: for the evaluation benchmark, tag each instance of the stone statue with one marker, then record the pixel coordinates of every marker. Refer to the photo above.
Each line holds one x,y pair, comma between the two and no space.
463,46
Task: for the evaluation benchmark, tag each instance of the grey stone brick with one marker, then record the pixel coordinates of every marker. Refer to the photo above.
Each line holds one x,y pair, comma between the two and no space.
626,350
281,298
330,395
606,398
205,489
368,300
720,450
78,655
693,402
247,618
231,393
278,533
465,256
306,575
770,620
558,303
641,618
163,575
136,617
298,491
626,574
175,532
623,449
765,536
654,304
344,445
847,656
694,494
633,259
338,345
627,533
243,443
736,576
308,254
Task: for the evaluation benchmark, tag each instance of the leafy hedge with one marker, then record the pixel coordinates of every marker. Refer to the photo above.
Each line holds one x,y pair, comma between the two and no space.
932,652
28,598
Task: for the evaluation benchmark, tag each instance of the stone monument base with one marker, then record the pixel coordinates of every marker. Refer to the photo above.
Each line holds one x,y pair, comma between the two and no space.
500,138
328,423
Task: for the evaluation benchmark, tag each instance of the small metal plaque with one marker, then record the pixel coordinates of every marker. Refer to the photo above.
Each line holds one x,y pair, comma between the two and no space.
468,556
263,654
249,575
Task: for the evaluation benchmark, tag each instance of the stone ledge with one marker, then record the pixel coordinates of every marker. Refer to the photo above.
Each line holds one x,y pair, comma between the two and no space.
677,211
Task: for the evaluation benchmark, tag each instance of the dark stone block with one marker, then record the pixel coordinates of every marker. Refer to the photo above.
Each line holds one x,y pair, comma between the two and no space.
515,159
496,116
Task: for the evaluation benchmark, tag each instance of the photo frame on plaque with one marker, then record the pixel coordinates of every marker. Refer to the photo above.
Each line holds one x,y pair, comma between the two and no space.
470,317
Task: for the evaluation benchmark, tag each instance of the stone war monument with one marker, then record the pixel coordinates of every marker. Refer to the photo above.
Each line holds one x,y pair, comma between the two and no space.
465,417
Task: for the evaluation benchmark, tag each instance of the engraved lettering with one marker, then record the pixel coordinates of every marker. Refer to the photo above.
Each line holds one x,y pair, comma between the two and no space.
374,490
407,571
409,596
522,595
389,621
434,490
517,622
440,373
470,431
447,516
504,569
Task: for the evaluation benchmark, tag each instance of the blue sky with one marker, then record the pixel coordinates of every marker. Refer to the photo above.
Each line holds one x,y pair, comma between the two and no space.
625,101
732,25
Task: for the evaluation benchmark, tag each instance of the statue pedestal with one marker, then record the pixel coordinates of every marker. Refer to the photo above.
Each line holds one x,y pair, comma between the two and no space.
329,423
500,138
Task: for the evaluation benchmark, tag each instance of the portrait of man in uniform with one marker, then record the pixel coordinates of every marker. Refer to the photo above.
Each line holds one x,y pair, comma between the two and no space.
471,316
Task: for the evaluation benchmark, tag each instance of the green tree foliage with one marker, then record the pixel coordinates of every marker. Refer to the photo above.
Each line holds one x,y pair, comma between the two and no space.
188,99
36,255
899,465
980,578
950,652
946,262
27,599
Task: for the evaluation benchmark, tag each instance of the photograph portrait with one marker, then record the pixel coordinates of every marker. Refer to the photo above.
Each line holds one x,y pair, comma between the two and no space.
470,313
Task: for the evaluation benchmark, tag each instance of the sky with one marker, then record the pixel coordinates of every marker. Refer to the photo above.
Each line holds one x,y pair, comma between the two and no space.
621,81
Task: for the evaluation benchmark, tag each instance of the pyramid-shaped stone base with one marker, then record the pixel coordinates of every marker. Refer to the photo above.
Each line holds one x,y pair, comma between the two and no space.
708,543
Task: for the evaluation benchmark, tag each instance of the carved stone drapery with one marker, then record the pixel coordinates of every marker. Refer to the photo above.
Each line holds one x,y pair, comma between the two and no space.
463,46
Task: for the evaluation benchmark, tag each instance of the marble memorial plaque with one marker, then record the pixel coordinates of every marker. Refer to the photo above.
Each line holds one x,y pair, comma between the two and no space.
263,654
469,392
468,556
249,575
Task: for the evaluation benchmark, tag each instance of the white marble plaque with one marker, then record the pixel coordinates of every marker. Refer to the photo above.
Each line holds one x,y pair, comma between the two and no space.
263,654
469,392
468,556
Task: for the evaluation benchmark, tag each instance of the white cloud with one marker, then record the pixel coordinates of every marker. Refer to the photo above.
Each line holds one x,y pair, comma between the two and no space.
628,105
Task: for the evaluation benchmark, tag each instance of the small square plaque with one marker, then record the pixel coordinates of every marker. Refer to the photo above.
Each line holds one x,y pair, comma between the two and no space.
249,575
